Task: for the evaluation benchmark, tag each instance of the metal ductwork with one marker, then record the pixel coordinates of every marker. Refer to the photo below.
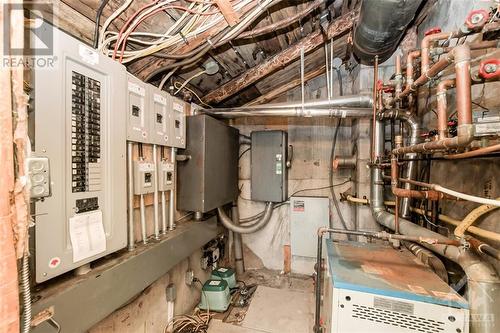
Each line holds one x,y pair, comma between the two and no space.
381,26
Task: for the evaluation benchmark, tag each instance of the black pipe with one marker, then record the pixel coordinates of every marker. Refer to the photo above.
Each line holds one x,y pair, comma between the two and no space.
382,24
319,269
98,21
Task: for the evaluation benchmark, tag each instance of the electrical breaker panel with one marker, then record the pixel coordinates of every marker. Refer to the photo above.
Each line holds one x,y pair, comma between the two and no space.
144,177
80,127
160,116
165,176
178,129
138,110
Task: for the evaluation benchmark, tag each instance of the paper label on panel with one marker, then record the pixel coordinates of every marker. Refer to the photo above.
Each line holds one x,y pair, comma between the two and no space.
87,235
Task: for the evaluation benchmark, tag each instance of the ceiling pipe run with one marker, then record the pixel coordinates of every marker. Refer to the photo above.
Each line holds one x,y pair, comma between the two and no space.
381,26
355,106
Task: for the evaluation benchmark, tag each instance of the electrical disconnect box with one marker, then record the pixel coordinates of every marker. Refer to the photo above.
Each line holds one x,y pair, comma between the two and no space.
138,106
165,176
144,177
80,127
209,179
178,123
160,117
268,166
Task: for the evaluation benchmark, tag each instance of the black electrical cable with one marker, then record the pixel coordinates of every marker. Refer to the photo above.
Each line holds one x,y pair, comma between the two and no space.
243,153
332,156
98,21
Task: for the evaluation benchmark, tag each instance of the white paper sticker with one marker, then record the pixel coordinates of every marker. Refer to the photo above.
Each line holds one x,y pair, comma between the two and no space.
88,55
160,99
214,283
178,107
135,88
223,270
87,235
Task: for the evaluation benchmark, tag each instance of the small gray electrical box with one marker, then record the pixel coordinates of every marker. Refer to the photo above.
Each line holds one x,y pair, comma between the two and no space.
138,117
268,166
144,180
160,116
39,176
165,176
178,123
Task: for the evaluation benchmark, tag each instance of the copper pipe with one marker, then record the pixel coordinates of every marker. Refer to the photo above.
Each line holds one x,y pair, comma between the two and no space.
463,83
410,67
483,248
399,76
474,153
409,193
461,56
428,40
375,81
442,107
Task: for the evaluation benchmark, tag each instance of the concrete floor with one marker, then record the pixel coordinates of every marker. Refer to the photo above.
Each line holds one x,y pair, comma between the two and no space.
280,304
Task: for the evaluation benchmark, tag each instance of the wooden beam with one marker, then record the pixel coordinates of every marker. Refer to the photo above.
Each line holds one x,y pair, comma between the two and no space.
337,28
227,10
284,88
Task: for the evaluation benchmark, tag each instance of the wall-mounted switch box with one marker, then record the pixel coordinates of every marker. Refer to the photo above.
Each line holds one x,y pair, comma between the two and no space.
165,176
178,129
160,116
39,176
138,115
268,166
144,180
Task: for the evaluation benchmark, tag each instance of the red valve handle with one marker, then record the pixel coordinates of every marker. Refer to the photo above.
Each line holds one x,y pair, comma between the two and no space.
477,18
432,31
489,69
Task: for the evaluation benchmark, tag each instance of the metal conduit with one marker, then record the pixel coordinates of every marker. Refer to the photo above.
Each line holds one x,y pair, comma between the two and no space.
261,223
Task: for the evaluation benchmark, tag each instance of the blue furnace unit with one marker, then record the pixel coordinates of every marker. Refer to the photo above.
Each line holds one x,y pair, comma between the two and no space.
375,288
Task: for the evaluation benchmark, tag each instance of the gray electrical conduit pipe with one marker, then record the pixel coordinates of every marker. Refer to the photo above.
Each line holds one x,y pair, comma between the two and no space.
482,280
247,229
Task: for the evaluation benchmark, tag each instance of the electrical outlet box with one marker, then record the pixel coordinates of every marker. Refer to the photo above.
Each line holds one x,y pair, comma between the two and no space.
138,115
178,123
144,177
80,126
39,177
165,176
268,166
160,116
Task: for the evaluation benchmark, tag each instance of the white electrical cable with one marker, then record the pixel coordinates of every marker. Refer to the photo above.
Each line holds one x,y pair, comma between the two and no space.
468,197
112,17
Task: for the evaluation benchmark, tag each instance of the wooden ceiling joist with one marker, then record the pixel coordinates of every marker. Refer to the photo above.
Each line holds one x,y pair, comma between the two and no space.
337,28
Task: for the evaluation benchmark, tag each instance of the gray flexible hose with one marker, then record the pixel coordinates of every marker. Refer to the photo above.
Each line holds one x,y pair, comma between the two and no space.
26,295
261,223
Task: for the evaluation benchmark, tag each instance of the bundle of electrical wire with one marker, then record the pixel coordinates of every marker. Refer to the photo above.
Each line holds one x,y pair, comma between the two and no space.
197,18
195,323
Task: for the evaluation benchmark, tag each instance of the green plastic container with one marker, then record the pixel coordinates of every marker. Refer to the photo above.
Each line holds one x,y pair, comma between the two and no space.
215,296
226,274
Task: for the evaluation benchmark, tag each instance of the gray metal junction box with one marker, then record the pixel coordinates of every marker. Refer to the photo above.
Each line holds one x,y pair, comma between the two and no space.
268,166
209,179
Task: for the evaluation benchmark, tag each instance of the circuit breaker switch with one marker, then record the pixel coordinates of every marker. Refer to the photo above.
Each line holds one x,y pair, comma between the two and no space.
165,176
144,180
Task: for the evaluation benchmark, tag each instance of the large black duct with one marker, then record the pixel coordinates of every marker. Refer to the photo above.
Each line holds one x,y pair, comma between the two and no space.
381,26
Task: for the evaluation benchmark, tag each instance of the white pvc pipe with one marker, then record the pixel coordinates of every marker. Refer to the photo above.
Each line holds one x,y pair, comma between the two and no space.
468,197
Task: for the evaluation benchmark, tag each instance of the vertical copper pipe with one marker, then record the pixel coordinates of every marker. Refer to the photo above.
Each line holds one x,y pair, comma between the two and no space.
399,76
394,184
463,83
375,79
442,106
410,67
426,43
